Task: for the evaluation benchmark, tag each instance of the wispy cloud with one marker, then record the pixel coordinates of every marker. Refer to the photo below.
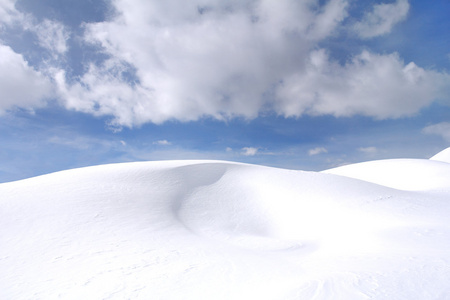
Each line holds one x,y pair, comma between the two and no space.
249,151
52,35
162,143
368,150
317,151
442,129
381,19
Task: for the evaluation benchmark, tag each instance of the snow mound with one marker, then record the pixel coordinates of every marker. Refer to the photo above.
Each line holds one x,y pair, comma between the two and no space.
444,156
221,230
402,174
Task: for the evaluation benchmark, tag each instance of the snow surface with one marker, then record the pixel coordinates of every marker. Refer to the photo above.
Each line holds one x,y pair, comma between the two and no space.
444,156
222,230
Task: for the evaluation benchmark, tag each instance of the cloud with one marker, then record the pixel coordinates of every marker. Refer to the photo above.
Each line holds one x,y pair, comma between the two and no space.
442,129
381,19
317,150
329,18
162,143
224,60
158,61
217,61
368,150
249,151
52,36
8,12
379,86
20,85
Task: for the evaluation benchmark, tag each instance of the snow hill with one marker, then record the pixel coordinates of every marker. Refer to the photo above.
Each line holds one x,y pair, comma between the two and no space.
444,156
222,230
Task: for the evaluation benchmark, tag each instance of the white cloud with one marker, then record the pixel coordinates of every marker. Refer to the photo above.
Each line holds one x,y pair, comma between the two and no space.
168,60
317,150
223,61
52,35
219,63
381,19
368,150
8,12
103,91
249,151
162,143
442,129
380,86
229,149
329,18
20,85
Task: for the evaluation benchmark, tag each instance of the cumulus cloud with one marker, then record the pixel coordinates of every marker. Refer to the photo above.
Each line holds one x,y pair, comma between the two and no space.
381,19
166,60
208,58
380,86
442,129
249,151
317,151
20,85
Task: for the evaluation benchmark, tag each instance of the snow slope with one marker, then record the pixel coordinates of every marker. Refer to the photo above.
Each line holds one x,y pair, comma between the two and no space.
402,174
222,230
444,156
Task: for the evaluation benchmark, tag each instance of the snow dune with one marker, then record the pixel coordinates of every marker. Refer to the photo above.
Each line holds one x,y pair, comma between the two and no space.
222,230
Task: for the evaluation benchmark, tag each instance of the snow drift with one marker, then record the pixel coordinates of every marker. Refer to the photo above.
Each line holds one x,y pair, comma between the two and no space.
222,230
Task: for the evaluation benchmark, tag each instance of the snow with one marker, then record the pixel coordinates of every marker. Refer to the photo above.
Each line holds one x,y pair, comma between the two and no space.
402,174
223,230
444,156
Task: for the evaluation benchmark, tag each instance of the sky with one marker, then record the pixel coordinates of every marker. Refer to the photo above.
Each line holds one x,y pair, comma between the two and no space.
298,84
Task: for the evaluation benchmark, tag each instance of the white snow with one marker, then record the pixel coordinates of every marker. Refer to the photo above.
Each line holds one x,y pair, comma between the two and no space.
223,230
444,156
402,174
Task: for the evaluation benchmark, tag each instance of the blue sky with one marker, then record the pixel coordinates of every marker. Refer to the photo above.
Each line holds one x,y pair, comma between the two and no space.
307,85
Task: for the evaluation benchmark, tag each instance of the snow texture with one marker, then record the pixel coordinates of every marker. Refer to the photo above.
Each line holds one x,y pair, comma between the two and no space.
222,230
